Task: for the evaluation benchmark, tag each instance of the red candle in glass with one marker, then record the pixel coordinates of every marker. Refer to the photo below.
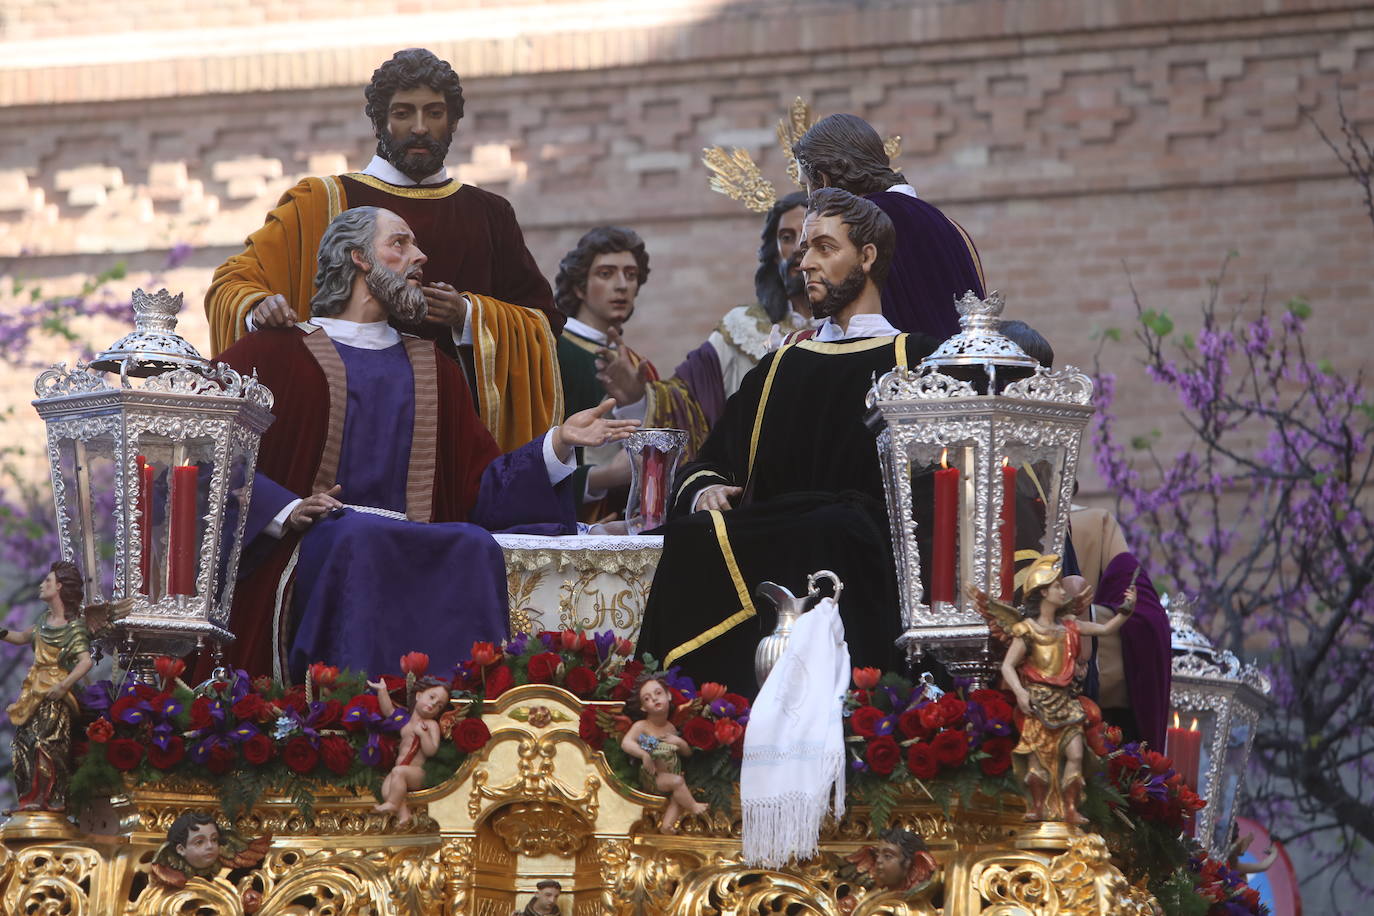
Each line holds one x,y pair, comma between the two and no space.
651,494
1185,749
946,531
182,537
1008,531
145,522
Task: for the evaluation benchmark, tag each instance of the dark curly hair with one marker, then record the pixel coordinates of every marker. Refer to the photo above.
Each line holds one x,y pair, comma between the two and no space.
577,264
406,70
71,586
907,841
847,150
180,832
769,286
865,222
632,705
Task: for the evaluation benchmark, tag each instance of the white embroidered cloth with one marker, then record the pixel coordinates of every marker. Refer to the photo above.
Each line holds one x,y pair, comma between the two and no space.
793,769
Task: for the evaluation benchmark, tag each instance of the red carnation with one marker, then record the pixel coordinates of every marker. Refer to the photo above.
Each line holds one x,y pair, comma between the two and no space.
300,755
699,733
485,654
252,708
220,760
544,667
590,729
999,759
100,731
200,713
882,755
166,758
258,749
950,747
728,731
124,753
471,734
951,709
910,725
867,678
865,720
920,760
499,680
581,681
337,754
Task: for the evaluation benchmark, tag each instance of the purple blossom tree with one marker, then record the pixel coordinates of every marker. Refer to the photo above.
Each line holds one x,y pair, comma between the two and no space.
1266,517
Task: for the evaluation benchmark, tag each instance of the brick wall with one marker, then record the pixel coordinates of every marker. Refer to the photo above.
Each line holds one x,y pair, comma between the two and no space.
1076,142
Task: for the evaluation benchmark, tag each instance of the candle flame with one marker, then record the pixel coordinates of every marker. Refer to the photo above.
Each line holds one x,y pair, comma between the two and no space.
1175,718
1193,727
944,456
1005,461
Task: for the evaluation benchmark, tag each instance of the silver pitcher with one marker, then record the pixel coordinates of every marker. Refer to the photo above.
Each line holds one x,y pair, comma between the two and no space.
789,608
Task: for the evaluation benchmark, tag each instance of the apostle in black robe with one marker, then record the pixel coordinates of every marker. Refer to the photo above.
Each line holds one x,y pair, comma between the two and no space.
788,482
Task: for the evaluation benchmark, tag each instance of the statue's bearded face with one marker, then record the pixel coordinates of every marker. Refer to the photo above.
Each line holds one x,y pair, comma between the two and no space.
789,255
394,277
835,270
418,132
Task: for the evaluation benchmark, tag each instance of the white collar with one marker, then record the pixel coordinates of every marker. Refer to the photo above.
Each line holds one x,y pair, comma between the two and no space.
365,335
864,324
582,329
380,168
903,189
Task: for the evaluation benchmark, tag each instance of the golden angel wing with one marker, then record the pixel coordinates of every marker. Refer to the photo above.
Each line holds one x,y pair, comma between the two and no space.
100,616
1001,617
738,177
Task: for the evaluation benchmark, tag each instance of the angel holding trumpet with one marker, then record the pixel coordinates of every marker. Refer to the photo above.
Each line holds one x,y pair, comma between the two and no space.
1044,639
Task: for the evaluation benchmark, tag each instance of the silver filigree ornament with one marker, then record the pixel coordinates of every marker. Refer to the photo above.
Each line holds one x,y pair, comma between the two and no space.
114,454
1226,698
977,403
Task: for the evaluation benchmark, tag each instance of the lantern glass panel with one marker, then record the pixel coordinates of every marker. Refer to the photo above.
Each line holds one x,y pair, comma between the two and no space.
1036,474
231,538
179,474
942,506
87,470
1229,776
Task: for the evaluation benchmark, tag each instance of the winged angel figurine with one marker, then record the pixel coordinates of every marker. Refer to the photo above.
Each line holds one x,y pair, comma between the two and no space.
1043,639
198,847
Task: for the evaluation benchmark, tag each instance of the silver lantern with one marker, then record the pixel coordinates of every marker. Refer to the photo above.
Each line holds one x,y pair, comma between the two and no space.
1216,705
977,422
152,482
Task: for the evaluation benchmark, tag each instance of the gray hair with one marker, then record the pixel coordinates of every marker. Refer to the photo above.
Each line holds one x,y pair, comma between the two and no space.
352,230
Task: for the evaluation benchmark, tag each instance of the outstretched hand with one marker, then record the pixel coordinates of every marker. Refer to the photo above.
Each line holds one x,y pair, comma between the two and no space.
590,428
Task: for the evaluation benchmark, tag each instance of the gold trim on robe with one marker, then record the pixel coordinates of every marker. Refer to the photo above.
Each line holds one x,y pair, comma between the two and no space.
416,192
747,608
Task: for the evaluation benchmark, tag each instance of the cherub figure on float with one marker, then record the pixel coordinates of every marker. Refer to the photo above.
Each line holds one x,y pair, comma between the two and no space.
1044,640
61,640
899,862
197,846
654,741
419,738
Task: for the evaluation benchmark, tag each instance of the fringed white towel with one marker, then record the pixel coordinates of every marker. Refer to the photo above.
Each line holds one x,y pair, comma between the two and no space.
793,769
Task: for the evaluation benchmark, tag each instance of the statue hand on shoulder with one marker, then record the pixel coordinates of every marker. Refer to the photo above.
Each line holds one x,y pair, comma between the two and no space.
274,312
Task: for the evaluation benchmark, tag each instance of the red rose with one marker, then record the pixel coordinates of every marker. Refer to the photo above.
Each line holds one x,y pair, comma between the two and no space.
100,731
330,713
581,681
882,755
590,729
920,760
867,678
986,694
165,759
728,731
220,760
544,667
740,703
124,753
471,734
337,754
950,747
910,725
300,755
499,680
931,717
145,692
252,708
951,709
258,749
699,733
865,720
416,663
999,759
997,708
486,654
200,713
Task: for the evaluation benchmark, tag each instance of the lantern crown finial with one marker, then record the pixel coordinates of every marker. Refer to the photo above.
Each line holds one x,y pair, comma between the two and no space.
153,347
980,341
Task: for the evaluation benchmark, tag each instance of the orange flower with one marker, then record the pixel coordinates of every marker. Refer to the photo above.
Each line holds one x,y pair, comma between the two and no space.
867,678
323,675
168,668
416,663
485,654
711,691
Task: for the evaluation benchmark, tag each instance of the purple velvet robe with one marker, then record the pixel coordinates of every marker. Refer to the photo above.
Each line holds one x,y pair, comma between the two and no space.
369,588
1146,651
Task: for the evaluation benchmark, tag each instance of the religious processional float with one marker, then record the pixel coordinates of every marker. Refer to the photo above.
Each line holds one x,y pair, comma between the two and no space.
146,794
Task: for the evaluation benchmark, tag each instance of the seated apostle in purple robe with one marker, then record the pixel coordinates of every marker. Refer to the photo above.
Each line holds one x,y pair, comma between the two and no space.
378,484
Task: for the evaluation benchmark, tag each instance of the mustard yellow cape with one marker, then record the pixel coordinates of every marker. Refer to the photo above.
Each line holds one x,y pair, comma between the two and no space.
519,392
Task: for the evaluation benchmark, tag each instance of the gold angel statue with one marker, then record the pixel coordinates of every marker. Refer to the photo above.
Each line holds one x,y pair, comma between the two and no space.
1043,642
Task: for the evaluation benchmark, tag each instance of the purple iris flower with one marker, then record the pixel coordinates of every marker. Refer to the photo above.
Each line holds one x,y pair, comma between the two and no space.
162,735
244,731
548,638
372,751
97,696
885,726
604,641
674,677
723,708
136,713
516,644
857,765
200,751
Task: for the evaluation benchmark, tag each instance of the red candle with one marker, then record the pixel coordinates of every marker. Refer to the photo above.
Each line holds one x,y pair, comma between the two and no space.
1008,531
1185,749
946,532
145,522
651,492
182,539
